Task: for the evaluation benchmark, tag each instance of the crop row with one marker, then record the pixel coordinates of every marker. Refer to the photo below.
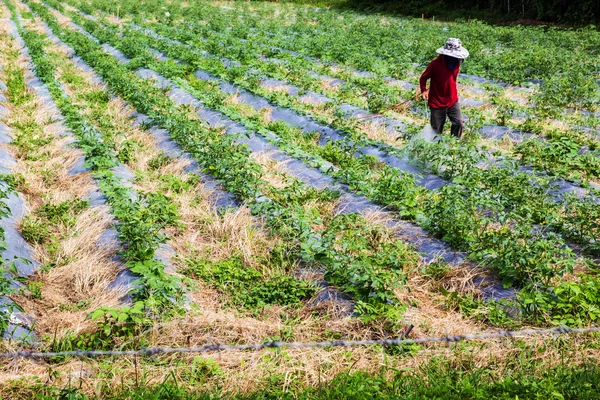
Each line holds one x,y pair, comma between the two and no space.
377,47
141,216
213,152
559,155
539,250
432,153
18,256
40,160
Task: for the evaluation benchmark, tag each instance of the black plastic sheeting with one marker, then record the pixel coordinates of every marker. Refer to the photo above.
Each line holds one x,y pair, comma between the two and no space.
430,248
125,278
18,251
429,181
327,295
497,132
493,290
5,137
349,203
95,197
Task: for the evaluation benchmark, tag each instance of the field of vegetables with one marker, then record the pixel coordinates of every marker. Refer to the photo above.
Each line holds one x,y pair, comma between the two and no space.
179,173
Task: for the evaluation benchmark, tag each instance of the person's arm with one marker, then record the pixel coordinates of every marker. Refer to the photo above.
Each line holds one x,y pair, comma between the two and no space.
423,80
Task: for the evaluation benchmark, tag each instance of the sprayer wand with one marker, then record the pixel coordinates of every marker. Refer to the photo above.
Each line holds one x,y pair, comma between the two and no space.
385,109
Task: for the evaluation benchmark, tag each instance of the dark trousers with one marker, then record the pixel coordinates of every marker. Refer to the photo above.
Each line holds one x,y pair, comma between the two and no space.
438,119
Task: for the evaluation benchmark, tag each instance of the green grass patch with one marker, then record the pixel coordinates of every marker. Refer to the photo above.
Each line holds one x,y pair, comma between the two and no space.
246,286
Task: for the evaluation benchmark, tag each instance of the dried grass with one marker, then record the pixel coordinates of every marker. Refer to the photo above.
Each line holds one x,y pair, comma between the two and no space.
84,271
247,110
377,131
377,217
311,101
282,88
515,95
327,84
276,172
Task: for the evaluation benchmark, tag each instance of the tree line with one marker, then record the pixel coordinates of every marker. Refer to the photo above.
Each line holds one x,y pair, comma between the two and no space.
578,12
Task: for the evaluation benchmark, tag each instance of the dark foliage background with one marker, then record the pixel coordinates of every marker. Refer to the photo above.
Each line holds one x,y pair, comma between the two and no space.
578,12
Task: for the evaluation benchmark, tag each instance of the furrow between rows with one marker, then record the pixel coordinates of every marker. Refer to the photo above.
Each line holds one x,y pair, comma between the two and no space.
390,124
350,203
560,188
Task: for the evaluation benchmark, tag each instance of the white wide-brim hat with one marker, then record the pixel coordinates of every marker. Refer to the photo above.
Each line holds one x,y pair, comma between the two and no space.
453,48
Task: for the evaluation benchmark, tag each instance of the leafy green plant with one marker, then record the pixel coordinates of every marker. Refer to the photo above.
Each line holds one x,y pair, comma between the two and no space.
202,368
35,290
248,287
571,303
80,305
43,225
560,156
496,313
63,212
159,161
580,221
115,326
505,107
35,230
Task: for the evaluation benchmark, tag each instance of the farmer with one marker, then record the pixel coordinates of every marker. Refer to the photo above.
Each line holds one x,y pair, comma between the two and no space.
442,96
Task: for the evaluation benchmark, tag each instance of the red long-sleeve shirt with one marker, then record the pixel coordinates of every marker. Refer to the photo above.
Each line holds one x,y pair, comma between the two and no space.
442,89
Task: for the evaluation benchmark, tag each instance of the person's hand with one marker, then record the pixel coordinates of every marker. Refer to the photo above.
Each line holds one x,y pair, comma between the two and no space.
425,95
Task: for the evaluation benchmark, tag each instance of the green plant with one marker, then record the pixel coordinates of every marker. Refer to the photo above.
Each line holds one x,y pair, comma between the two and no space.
580,221
35,290
246,286
125,323
35,230
505,107
436,269
63,212
159,161
127,151
571,303
496,313
42,226
202,368
79,306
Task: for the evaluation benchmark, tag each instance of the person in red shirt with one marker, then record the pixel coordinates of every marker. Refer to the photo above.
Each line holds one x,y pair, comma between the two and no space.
442,96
